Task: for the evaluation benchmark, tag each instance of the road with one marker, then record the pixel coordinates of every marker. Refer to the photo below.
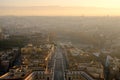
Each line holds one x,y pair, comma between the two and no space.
58,65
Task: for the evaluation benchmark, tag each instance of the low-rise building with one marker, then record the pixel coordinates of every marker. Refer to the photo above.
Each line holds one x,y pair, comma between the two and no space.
38,60
83,63
16,73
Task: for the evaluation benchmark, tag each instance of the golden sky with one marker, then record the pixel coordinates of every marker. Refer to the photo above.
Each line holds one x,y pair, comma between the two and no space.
60,7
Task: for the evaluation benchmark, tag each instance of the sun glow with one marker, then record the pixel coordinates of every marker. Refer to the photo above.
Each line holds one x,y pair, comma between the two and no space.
60,7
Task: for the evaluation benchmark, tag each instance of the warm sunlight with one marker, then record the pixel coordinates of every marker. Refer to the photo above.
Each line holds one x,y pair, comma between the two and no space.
59,39
60,7
85,3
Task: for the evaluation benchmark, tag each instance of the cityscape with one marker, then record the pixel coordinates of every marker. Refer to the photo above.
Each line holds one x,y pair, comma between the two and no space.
28,53
59,40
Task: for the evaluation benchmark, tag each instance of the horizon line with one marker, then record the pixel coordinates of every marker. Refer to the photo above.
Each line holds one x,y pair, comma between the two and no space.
56,16
60,6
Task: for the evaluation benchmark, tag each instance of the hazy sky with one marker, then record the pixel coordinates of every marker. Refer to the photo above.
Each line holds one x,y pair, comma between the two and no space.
109,4
93,3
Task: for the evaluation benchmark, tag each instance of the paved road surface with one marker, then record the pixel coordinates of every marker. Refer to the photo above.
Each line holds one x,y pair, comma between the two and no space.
59,67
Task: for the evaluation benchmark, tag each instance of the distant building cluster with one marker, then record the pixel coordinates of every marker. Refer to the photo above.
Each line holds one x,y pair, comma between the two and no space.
3,35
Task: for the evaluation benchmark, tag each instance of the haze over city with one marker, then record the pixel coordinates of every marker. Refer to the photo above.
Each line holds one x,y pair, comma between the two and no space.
59,40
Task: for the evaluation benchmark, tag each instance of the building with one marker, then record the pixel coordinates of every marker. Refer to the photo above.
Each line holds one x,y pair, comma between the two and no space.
38,59
3,35
16,73
77,75
114,67
82,65
39,75
7,59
